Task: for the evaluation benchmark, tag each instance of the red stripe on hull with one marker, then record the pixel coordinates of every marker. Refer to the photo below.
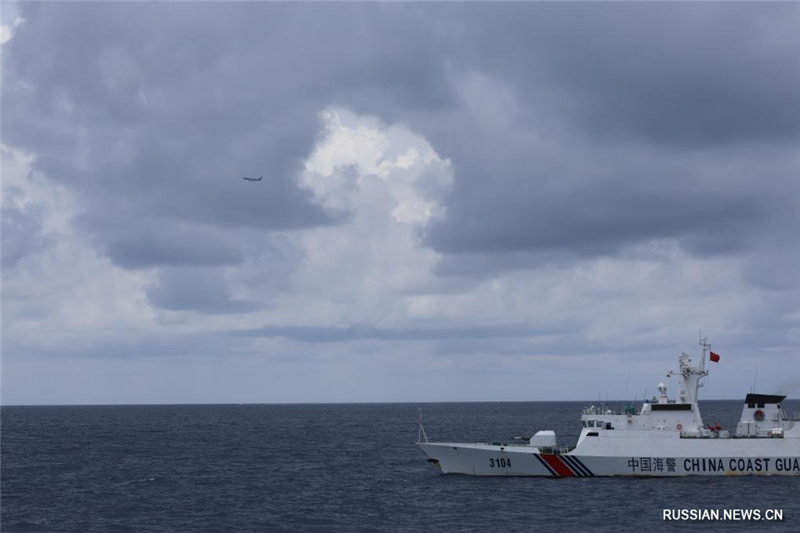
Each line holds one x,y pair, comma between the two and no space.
557,464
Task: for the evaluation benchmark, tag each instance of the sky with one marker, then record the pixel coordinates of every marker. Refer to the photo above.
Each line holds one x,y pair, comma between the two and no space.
460,201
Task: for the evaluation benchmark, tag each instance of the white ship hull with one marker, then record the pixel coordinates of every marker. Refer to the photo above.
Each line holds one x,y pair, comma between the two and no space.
777,457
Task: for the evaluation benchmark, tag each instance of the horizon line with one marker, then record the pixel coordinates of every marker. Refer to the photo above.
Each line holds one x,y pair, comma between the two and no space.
2,405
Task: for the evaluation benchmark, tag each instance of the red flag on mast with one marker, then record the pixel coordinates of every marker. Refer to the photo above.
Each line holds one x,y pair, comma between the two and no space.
715,357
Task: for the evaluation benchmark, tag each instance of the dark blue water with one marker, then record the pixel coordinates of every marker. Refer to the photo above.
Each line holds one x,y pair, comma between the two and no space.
330,468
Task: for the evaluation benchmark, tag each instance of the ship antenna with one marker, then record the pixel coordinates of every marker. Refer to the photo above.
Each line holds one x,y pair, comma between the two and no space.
755,378
421,434
706,347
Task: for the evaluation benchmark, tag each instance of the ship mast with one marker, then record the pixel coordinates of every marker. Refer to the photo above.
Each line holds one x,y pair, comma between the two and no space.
691,375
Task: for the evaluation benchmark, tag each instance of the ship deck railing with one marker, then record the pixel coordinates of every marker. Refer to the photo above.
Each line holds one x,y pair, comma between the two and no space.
556,451
716,437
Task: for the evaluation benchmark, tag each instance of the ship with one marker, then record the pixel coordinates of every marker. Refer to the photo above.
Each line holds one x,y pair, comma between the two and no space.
662,437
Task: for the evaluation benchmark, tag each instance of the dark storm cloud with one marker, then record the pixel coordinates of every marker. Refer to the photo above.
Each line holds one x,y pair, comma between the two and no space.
592,221
689,75
156,111
647,105
171,246
137,121
200,289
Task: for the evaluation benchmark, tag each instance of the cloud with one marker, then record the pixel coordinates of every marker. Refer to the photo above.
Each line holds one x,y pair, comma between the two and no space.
117,124
35,213
195,289
170,244
7,30
54,279
589,145
449,189
521,191
366,332
358,150
621,71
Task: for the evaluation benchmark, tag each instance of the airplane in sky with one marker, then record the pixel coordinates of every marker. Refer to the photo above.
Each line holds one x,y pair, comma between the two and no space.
253,179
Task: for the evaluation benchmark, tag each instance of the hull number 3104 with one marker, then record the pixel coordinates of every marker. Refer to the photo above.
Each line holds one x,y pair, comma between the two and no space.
500,463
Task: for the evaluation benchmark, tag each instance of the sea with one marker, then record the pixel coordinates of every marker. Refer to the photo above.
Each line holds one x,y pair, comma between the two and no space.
331,468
